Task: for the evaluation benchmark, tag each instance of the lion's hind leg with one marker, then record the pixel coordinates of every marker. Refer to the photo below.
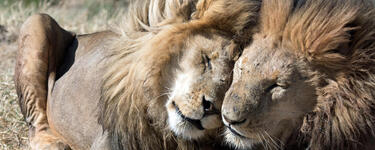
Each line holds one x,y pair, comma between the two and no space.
42,45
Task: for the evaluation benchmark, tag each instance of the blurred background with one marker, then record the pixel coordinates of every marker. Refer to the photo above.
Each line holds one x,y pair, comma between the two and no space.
79,16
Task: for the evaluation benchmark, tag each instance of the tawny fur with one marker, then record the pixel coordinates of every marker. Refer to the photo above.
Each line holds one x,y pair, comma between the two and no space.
41,47
135,117
133,102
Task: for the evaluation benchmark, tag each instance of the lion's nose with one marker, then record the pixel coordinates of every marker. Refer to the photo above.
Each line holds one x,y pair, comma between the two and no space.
234,111
233,122
208,107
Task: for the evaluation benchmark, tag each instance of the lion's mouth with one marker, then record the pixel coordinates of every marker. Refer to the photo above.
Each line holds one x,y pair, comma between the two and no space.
233,131
194,122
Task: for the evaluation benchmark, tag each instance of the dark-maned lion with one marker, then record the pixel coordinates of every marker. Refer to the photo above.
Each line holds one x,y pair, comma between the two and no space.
307,81
158,83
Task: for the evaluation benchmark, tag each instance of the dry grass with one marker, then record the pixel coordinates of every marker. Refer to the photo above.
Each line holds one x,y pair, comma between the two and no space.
83,16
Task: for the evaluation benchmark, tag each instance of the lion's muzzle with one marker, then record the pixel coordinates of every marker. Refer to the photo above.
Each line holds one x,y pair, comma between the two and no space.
195,122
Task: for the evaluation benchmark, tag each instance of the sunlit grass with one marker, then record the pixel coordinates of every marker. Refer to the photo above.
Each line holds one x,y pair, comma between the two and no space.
81,17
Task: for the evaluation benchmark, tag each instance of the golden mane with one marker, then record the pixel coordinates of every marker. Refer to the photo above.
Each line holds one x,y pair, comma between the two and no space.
133,99
337,38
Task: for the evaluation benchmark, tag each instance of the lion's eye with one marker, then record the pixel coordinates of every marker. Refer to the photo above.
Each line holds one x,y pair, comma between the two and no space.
282,85
207,62
268,89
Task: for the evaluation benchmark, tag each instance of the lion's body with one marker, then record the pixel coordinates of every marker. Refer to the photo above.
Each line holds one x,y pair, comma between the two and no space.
112,90
82,73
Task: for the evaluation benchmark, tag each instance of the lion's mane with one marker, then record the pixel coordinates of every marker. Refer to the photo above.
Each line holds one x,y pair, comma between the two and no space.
337,38
134,86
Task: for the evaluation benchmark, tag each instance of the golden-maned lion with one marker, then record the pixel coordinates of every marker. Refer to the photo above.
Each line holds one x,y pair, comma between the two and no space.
307,81
158,83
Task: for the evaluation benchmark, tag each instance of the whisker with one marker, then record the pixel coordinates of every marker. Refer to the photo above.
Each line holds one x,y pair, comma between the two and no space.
274,143
279,141
223,132
261,141
265,141
270,144
163,94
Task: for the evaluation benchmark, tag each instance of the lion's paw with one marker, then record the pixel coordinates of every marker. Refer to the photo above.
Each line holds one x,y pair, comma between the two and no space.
47,141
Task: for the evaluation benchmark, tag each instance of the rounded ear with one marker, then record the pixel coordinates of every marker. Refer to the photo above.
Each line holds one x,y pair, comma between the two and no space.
230,16
234,50
201,7
179,10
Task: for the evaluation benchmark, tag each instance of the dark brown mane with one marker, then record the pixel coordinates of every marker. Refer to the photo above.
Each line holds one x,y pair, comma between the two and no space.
337,37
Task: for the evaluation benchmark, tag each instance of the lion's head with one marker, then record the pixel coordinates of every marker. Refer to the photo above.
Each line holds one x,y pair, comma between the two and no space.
201,79
307,77
171,79
269,96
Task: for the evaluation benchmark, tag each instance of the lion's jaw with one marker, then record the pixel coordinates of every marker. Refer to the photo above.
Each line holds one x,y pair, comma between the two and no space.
176,119
270,94
198,88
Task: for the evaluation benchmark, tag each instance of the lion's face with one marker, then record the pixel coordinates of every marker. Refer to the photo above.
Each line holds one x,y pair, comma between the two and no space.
202,77
270,94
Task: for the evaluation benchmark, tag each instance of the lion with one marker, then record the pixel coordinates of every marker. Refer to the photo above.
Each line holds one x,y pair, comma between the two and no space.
307,80
156,83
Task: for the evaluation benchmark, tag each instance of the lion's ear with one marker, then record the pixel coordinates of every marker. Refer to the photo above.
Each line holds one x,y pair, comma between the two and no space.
231,16
201,7
233,51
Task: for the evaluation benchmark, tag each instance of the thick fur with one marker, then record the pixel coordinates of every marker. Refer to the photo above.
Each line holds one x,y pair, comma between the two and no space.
133,96
133,105
336,39
337,36
345,48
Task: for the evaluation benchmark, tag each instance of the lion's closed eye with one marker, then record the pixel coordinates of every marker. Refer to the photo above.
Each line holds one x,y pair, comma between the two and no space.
207,63
283,85
277,84
271,87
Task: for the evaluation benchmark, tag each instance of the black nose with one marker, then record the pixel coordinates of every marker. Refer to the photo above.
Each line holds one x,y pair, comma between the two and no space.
208,107
234,122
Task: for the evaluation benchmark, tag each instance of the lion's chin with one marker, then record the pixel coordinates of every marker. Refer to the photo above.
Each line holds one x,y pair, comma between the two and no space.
183,128
239,142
